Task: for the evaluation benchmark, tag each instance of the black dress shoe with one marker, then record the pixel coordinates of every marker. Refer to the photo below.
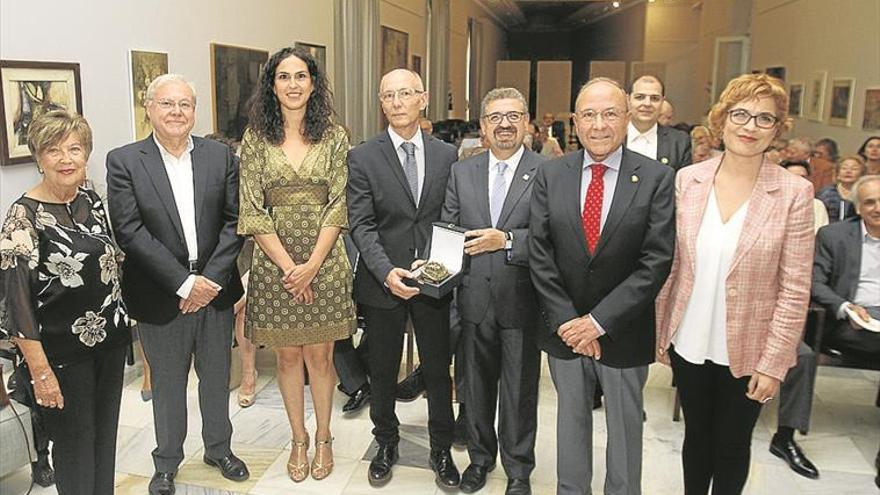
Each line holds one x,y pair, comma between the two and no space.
445,473
412,387
460,433
162,484
42,473
231,467
790,452
474,478
380,467
518,486
358,399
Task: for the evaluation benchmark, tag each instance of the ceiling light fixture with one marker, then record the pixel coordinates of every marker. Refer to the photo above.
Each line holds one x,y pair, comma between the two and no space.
615,4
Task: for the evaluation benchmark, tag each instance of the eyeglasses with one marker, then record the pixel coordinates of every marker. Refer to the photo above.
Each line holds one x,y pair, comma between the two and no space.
612,115
183,105
762,120
404,94
495,118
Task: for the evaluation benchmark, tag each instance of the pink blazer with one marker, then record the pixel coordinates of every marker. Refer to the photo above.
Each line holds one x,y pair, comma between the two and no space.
768,285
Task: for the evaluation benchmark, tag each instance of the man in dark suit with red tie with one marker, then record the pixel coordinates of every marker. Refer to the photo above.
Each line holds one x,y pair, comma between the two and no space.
602,233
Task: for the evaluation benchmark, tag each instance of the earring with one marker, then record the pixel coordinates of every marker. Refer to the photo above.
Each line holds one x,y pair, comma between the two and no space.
40,169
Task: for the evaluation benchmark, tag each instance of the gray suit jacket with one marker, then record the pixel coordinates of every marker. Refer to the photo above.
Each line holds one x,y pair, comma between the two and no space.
837,264
495,277
673,147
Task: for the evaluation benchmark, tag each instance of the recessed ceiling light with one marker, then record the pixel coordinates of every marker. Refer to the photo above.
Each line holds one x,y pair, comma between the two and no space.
615,4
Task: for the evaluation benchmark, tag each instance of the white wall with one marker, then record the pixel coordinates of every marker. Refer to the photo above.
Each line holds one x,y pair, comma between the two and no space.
98,34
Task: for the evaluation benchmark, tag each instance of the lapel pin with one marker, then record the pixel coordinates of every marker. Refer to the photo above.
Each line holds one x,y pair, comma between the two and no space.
634,178
664,161
526,177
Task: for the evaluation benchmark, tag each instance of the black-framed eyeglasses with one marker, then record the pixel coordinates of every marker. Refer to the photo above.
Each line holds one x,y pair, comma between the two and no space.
404,94
763,120
495,118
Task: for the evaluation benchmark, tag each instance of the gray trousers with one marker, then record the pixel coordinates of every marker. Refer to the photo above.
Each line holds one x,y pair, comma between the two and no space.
205,338
796,392
575,382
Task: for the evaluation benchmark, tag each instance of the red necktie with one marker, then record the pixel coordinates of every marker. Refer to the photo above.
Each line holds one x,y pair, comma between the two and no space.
592,215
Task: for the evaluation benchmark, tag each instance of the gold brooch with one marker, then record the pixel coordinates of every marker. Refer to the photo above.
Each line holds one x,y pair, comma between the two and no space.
634,178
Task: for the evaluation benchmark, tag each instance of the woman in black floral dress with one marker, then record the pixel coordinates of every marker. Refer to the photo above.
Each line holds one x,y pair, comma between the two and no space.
60,297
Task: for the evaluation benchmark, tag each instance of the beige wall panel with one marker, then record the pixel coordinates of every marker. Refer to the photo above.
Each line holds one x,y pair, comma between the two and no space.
612,69
553,88
513,74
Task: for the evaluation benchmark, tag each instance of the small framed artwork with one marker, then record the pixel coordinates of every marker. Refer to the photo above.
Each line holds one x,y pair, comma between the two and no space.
27,90
145,66
417,64
815,101
395,49
318,52
235,72
777,72
871,120
841,102
796,99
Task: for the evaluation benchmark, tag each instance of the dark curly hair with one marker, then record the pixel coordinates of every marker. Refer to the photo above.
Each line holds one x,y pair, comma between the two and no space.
265,112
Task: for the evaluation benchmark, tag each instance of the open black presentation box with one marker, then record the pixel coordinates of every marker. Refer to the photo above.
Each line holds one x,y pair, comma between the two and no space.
447,247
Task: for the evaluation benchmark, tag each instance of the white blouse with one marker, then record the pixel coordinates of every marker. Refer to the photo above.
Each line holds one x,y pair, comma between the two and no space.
702,335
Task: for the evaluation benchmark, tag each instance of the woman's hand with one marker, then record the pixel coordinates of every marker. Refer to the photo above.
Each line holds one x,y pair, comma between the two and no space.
46,389
297,279
762,388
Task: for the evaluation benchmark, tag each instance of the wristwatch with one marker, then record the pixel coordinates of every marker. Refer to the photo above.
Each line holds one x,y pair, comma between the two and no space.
508,244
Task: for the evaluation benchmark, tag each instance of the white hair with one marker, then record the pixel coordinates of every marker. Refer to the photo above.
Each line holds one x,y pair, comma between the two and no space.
854,195
167,78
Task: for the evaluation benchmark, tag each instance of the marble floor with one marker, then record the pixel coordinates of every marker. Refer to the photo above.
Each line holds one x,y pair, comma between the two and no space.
843,443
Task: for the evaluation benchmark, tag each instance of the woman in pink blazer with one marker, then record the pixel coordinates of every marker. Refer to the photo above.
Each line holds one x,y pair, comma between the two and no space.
731,314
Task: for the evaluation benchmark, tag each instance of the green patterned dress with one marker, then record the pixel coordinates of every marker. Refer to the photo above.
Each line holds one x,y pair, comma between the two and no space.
296,204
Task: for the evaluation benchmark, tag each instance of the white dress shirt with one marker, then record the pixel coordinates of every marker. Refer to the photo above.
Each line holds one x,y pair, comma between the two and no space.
642,143
511,162
703,332
180,175
419,143
868,287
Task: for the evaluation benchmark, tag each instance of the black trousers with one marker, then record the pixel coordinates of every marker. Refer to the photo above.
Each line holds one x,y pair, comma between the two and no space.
719,420
84,432
430,319
352,364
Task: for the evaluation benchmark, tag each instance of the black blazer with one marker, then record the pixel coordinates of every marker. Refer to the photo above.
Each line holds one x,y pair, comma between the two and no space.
673,147
837,264
492,276
632,260
148,229
385,224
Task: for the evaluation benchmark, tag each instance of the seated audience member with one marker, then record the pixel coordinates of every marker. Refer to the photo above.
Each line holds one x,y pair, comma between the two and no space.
549,146
800,149
846,274
702,152
836,197
826,149
426,126
667,113
802,169
870,151
700,135
533,137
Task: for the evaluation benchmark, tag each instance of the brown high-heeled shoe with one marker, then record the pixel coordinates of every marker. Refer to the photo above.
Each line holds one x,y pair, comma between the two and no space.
298,463
247,400
322,464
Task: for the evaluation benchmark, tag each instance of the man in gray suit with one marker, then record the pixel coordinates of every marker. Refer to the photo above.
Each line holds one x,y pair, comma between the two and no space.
173,202
644,135
489,194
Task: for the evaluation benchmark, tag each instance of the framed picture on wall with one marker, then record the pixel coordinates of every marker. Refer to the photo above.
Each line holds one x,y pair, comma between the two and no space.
841,102
235,72
871,120
395,49
417,65
796,99
144,67
27,90
318,52
777,72
815,101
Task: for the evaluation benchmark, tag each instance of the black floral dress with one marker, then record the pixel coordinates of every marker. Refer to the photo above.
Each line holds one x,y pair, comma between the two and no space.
59,278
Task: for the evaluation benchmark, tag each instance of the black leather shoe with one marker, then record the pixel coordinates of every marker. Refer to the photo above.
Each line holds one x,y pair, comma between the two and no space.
474,478
358,399
231,467
162,484
412,387
460,433
518,486
42,473
446,474
790,452
380,467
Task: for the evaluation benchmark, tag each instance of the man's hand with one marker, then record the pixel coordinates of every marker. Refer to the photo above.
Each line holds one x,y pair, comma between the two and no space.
394,281
576,330
484,241
590,349
762,388
203,292
861,312
417,264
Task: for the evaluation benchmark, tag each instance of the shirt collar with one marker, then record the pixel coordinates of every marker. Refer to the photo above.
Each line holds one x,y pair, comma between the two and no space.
511,162
165,153
650,134
612,162
867,238
396,140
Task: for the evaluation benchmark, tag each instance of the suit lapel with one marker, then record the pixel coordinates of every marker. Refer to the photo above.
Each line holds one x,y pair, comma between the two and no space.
663,145
854,261
200,177
761,204
152,162
430,169
696,197
481,183
624,191
393,161
522,177
571,188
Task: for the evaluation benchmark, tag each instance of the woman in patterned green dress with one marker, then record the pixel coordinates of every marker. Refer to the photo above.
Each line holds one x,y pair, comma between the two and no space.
293,176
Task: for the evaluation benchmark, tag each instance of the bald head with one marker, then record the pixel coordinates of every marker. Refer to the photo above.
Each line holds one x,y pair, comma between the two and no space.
403,98
601,117
667,113
605,83
409,78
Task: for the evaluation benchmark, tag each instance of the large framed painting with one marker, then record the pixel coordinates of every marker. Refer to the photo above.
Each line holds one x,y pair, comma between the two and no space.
145,66
842,93
815,102
27,90
871,120
318,52
796,99
395,49
235,72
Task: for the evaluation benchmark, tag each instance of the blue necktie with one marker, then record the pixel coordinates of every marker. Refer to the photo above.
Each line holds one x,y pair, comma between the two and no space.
499,192
411,170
